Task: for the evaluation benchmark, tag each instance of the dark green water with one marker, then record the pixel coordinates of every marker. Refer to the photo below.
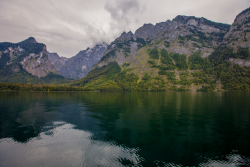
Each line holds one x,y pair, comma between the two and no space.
124,129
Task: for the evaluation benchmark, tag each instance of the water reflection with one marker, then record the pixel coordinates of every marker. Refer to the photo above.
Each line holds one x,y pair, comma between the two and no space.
124,129
66,147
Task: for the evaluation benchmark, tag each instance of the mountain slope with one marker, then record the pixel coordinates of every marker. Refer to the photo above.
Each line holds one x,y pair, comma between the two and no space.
239,33
27,62
187,53
78,66
56,60
182,35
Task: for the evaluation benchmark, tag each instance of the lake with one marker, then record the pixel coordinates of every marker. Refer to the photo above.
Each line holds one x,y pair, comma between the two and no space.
96,129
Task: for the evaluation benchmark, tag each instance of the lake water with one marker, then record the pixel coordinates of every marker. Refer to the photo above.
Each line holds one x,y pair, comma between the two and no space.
96,129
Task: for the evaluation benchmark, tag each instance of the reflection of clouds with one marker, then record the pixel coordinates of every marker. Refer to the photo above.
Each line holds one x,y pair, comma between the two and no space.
67,147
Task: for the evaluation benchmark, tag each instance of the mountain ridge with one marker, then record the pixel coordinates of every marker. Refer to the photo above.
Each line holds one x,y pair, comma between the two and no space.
187,53
79,65
26,61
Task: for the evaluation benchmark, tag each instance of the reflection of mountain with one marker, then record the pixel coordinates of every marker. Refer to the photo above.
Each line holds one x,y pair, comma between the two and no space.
183,128
22,117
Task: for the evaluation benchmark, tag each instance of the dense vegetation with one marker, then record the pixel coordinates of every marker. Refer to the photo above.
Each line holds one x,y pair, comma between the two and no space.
31,47
196,62
24,77
141,42
37,87
180,60
109,55
104,73
154,54
167,44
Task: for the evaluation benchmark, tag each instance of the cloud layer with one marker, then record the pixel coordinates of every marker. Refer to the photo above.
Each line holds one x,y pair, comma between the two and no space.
67,27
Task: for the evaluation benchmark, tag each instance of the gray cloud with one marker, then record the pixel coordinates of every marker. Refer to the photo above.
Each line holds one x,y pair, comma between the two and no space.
120,9
67,27
122,13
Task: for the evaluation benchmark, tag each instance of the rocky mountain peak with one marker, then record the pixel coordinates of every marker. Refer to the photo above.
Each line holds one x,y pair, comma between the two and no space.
183,35
100,45
200,22
184,19
30,39
56,60
79,65
126,36
143,31
31,55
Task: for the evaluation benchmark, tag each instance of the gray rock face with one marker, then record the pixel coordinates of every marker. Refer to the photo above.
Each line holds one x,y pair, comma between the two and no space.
33,57
38,64
241,62
181,25
183,35
56,60
78,66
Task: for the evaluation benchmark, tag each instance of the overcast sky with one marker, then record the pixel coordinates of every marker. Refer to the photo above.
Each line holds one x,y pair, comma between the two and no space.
68,26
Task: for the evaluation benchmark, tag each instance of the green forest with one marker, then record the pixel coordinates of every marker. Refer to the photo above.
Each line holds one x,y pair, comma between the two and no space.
37,87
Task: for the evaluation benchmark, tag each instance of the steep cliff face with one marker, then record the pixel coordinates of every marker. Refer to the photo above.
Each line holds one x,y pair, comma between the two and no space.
239,33
78,66
56,60
31,55
38,64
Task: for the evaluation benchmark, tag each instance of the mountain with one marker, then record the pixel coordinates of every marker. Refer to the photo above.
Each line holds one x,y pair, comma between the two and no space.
238,38
27,62
79,65
238,35
56,60
187,53
183,35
